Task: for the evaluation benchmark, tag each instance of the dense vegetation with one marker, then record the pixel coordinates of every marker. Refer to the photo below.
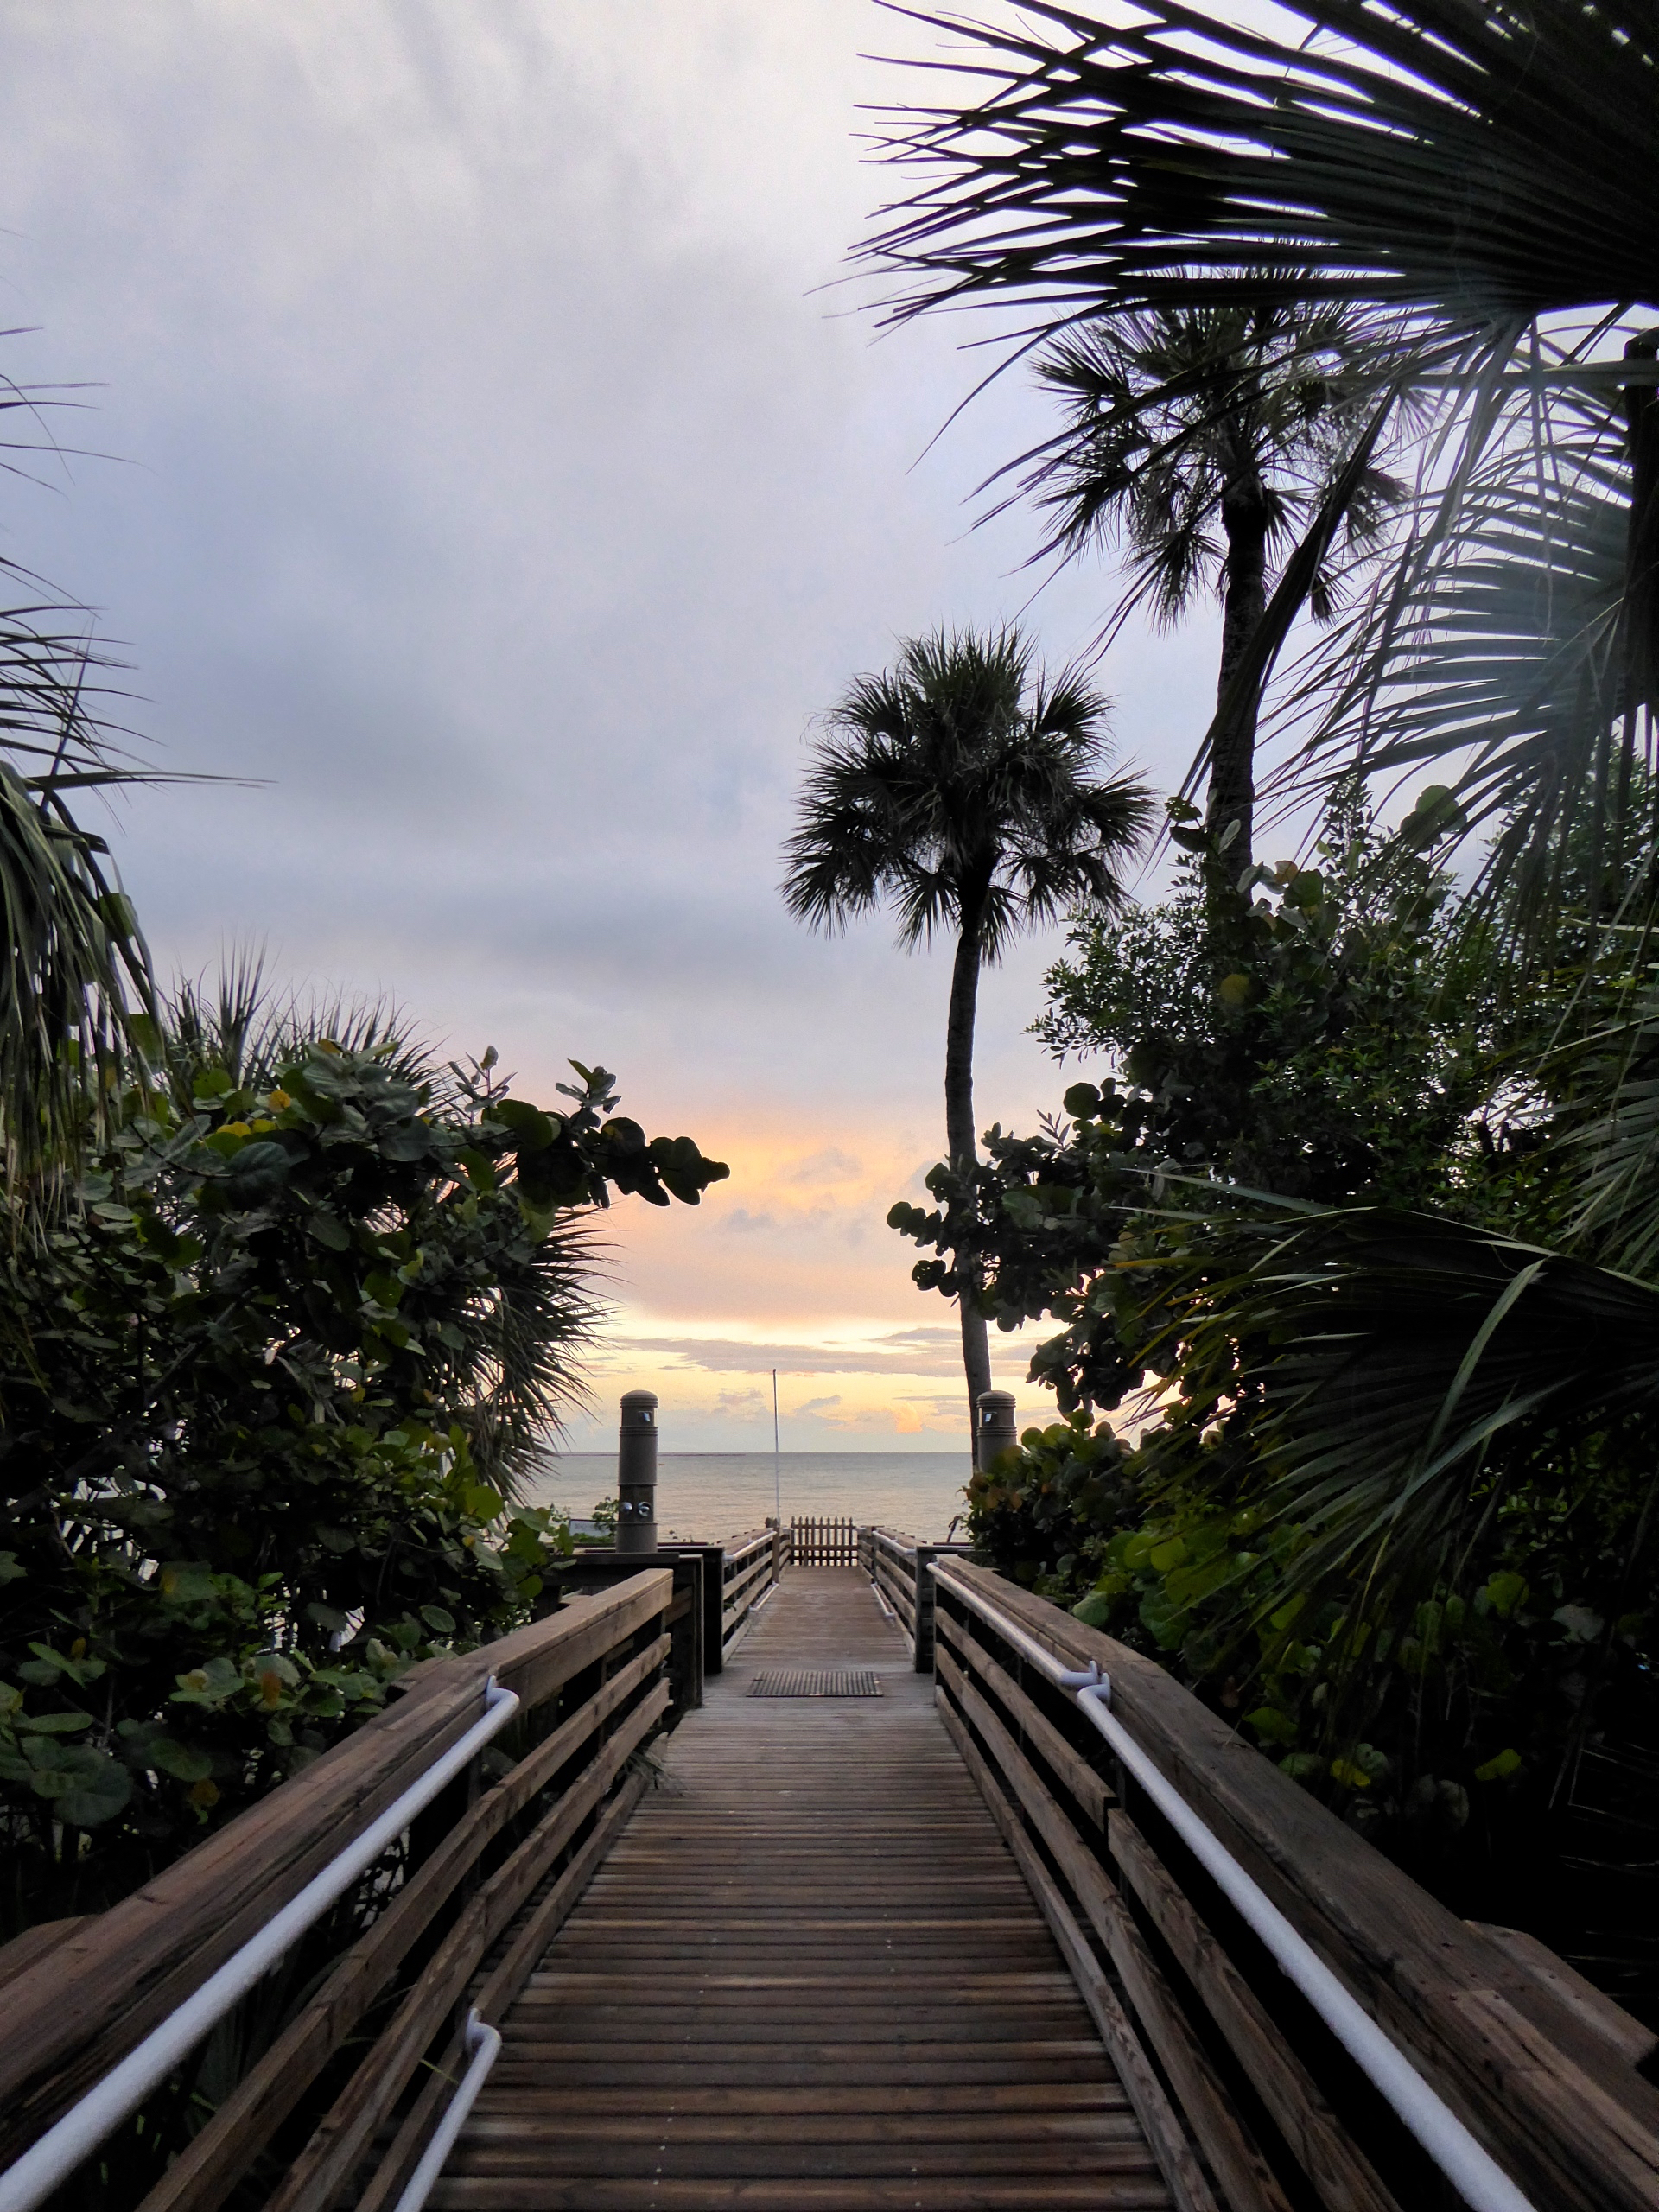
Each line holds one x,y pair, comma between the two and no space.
268,1373
1356,1232
1475,1694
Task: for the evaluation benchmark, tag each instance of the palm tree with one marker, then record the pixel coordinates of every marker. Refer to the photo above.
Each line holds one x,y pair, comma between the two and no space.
964,786
1204,438
1479,176
74,976
75,986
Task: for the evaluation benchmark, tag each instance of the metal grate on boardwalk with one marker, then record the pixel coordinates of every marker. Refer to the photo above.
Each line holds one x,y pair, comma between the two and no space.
808,1975
816,1682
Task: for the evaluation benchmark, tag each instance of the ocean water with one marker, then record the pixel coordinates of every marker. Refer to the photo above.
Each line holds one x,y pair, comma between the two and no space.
705,1497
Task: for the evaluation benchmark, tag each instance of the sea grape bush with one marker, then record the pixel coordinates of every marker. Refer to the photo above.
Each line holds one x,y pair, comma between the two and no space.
1453,1730
267,1381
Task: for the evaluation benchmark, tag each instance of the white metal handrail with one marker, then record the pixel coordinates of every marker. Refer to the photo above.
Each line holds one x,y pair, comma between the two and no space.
57,2153
485,2043
1471,2169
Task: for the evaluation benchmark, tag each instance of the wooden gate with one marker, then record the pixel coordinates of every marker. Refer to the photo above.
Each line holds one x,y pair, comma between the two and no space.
825,1543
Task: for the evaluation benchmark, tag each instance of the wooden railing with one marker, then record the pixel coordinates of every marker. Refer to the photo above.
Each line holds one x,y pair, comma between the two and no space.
750,1566
459,1915
1246,2097
898,1566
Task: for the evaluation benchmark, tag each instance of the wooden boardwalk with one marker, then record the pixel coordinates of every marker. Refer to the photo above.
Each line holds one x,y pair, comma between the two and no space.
808,1975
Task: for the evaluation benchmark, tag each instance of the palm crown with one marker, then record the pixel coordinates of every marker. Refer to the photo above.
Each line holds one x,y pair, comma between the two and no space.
1206,439
957,785
1175,415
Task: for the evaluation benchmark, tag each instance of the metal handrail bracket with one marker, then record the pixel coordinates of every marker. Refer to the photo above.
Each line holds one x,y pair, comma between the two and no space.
80,2130
1471,2169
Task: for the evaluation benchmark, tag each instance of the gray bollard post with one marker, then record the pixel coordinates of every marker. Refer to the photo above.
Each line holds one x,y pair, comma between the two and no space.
994,1430
636,1473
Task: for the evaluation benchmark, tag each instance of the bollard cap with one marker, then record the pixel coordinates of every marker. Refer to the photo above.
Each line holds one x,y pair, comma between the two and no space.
640,1409
993,1403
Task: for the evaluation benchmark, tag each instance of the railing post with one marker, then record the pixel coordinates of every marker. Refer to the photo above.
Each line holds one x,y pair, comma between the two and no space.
924,1595
714,1603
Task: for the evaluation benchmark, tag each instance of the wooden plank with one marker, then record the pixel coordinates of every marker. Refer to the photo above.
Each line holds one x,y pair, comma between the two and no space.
668,2155
35,1943
945,1989
1188,2188
1631,2039
1092,1793
212,2162
389,2178
595,2193
1341,2173
1246,2178
948,2136
341,2138
736,2058
1074,2123
948,2102
1530,2074
71,2016
656,2074
1423,1973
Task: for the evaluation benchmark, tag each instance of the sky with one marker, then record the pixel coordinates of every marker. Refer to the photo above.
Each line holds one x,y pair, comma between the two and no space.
480,457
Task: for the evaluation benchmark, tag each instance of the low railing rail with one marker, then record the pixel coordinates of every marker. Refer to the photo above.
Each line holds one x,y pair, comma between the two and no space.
459,1915
1295,2021
749,1572
897,1564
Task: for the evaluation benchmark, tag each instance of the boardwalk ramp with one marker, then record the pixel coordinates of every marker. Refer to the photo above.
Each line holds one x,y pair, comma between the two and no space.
809,1975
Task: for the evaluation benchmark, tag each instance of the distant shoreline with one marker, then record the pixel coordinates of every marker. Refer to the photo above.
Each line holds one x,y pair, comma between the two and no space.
714,1494
600,1452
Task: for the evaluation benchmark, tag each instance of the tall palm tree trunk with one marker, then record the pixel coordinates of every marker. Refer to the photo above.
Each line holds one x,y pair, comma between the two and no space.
1642,557
962,1139
1244,600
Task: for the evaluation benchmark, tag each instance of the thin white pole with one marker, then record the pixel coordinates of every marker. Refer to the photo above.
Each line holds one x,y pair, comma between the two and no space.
777,1464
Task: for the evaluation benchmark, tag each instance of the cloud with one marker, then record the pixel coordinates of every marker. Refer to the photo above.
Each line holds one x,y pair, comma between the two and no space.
829,1166
813,1406
906,1351
505,502
744,1403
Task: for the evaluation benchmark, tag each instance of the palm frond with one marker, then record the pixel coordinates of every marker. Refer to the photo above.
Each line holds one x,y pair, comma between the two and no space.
1605,1138
1470,179
1397,1354
75,967
522,1348
1494,651
1502,646
1470,168
251,1030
